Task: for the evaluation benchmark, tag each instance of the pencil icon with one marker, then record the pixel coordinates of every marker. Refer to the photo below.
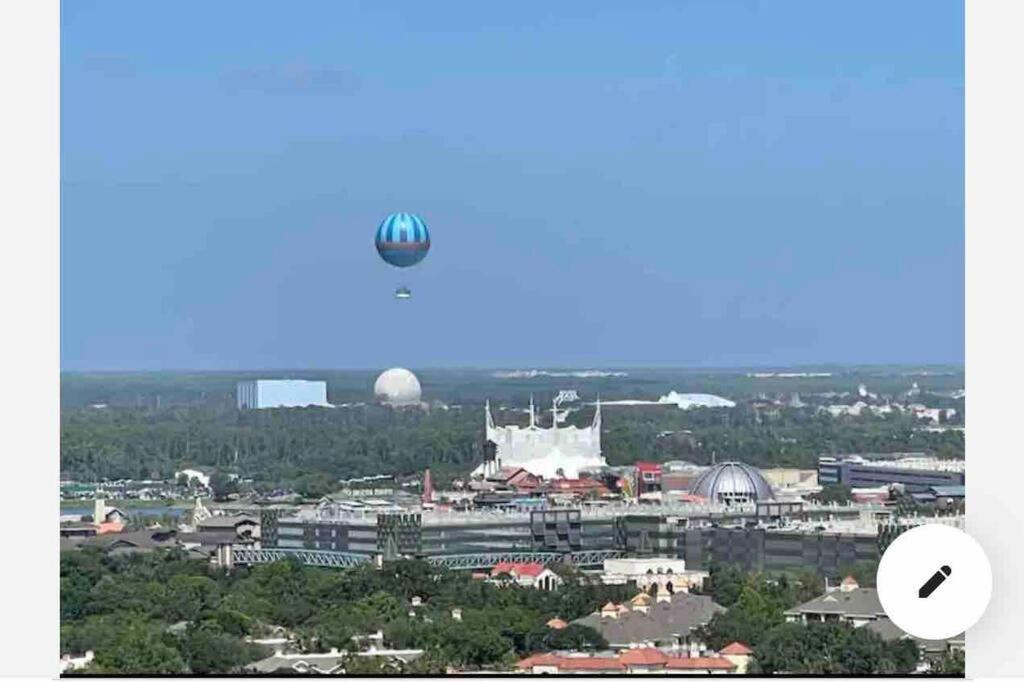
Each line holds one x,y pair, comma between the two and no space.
934,582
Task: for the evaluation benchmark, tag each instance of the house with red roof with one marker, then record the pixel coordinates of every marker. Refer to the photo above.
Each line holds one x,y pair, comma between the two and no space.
640,660
739,654
648,477
528,574
576,488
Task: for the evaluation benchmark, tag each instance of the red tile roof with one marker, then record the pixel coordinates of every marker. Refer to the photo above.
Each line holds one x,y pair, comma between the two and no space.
720,663
542,659
643,656
556,624
590,664
736,648
529,569
518,568
502,568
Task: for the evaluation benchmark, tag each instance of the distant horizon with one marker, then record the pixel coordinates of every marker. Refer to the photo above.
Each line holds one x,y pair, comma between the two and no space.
525,367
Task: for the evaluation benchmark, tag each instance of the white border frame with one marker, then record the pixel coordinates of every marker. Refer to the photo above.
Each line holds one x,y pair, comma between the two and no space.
994,344
29,282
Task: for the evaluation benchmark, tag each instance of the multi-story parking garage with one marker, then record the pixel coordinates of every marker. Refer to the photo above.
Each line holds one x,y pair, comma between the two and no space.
767,536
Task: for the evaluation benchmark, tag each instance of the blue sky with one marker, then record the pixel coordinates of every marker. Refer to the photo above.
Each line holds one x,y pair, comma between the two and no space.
606,183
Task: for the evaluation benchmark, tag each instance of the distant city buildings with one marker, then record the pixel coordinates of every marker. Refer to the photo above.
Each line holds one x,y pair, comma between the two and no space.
917,472
281,393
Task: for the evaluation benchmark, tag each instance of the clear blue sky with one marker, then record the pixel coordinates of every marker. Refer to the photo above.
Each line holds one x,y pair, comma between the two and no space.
606,183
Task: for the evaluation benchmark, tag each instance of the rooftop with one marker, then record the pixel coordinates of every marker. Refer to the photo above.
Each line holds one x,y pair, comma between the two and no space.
848,601
736,648
651,621
641,657
902,461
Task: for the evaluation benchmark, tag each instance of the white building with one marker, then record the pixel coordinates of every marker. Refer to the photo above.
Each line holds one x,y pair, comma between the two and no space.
668,573
549,453
526,574
281,393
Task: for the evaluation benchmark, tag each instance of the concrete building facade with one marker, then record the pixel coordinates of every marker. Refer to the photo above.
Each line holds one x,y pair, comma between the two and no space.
281,393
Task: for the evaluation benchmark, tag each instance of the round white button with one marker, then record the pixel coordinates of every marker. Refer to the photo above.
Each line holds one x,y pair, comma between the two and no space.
934,581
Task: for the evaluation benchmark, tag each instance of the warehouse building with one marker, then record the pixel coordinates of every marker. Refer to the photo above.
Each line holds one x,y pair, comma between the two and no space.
917,473
281,393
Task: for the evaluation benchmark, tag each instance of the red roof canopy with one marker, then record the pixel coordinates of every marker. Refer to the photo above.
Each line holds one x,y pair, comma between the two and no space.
518,568
643,656
736,648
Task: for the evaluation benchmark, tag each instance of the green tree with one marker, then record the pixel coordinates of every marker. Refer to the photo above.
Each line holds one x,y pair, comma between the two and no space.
726,584
222,485
575,637
207,649
137,647
951,664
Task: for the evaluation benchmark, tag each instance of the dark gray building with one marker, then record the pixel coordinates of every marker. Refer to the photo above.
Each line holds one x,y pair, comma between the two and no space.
409,534
859,472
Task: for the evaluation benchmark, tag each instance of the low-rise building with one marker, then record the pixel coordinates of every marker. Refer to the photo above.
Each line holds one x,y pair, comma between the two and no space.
648,477
930,650
739,654
125,543
916,472
847,604
527,574
640,660
242,527
648,572
665,620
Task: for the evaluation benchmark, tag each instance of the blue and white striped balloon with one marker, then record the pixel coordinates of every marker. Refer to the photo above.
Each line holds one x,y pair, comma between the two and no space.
402,239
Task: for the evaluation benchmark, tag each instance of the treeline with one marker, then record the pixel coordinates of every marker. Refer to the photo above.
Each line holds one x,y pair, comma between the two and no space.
216,390
312,447
162,613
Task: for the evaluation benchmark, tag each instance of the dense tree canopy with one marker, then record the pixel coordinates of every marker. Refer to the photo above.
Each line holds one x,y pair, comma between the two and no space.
161,612
310,449
757,603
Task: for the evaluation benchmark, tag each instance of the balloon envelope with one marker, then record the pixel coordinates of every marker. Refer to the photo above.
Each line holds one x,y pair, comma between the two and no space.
402,239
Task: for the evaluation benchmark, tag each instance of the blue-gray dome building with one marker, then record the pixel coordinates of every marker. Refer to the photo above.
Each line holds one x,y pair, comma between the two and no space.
732,482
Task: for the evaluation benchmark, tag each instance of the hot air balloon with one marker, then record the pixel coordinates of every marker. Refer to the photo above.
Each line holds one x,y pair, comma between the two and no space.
402,241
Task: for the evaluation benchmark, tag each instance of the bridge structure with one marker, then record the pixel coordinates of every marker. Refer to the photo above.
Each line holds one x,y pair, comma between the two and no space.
341,560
